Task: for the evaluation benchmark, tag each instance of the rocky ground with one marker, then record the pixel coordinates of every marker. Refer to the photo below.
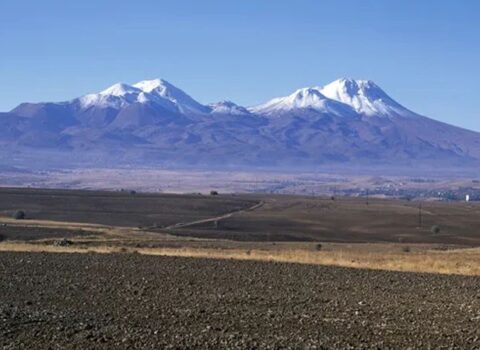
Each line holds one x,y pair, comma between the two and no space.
128,301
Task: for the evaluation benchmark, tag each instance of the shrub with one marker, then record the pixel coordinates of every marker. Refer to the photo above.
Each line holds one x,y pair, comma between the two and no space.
19,215
406,249
62,243
318,246
213,193
435,229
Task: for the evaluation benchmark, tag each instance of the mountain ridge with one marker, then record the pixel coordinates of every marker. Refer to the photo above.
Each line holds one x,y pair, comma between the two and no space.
153,122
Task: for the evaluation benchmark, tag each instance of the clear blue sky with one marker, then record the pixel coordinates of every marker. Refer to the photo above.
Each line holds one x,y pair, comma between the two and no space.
425,54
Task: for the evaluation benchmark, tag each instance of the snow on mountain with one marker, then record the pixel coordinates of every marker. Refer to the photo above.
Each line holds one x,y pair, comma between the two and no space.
119,89
306,98
151,85
116,96
162,88
227,107
157,91
365,97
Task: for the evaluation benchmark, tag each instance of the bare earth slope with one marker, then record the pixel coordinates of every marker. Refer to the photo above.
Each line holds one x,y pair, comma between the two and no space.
251,217
301,218
129,301
116,208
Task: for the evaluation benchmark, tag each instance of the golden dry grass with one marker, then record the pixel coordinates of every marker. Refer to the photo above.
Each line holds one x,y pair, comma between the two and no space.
57,224
105,231
388,256
461,261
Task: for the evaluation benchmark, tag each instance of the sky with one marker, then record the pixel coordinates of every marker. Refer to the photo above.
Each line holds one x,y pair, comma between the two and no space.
424,54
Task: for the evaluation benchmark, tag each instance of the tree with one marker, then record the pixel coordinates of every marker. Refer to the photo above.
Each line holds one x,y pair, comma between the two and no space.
19,215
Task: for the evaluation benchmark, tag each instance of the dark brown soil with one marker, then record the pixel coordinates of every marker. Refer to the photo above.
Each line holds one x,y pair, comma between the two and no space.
291,218
17,233
280,218
116,208
129,301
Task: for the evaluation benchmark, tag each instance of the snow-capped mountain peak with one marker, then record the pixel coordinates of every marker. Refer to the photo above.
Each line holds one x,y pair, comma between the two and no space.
157,91
116,96
341,97
364,96
306,98
164,89
150,85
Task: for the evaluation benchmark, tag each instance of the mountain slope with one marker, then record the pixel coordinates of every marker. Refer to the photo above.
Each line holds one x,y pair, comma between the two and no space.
152,122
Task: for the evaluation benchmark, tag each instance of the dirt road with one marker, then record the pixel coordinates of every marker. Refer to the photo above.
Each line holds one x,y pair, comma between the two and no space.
215,218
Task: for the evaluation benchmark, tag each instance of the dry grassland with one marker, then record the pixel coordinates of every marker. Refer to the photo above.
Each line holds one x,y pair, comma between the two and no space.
370,256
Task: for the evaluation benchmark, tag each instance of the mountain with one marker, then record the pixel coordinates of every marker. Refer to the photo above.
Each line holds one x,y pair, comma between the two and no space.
303,99
153,123
341,97
365,97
